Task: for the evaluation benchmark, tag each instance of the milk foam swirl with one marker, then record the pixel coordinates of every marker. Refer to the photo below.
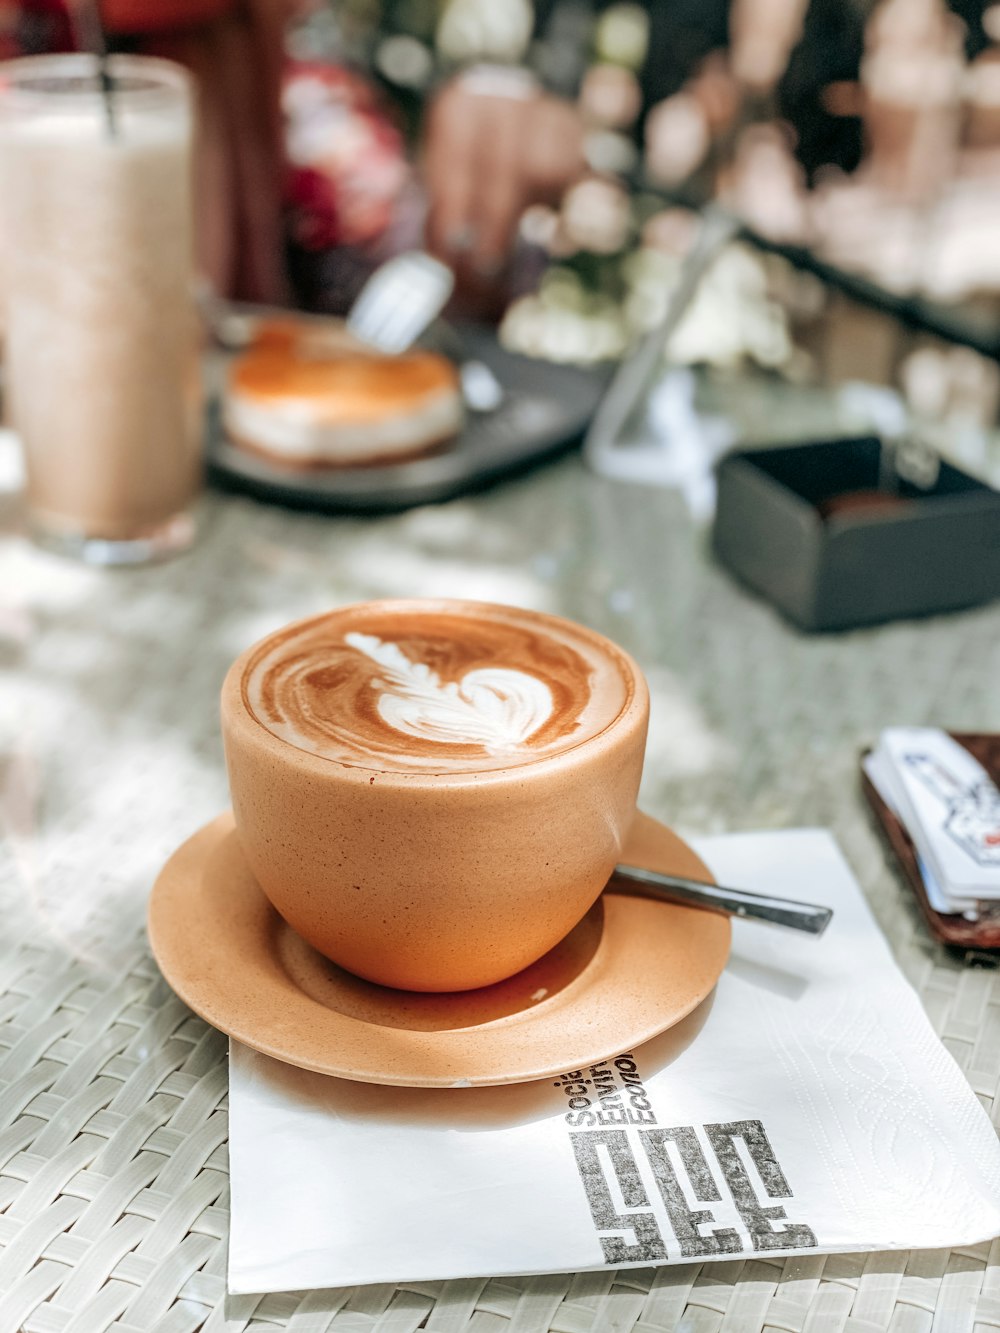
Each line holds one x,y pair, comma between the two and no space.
493,707
433,691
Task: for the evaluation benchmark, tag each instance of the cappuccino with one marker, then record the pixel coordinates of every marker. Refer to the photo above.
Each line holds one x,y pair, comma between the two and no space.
435,690
433,793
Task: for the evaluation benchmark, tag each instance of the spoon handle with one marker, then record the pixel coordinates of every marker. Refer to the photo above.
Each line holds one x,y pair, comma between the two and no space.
808,917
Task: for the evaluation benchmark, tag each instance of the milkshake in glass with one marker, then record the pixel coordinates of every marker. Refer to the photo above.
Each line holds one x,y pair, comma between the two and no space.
101,373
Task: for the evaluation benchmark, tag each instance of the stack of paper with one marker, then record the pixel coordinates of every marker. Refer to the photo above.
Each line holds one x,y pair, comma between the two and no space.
950,807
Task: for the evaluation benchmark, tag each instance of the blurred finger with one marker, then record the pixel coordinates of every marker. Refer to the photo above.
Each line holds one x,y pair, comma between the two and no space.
452,136
554,154
500,181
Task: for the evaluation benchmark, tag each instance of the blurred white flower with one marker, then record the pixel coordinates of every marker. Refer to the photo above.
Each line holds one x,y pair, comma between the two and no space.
609,152
769,186
556,326
405,61
610,96
732,317
538,225
677,138
485,30
596,215
650,276
622,35
672,230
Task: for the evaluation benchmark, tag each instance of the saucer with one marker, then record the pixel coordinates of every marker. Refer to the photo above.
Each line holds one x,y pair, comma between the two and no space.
632,968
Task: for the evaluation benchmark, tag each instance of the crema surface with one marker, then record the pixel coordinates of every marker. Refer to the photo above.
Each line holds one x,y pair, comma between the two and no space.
435,691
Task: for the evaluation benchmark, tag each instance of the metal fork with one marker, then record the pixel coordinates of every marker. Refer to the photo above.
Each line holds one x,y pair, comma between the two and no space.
400,300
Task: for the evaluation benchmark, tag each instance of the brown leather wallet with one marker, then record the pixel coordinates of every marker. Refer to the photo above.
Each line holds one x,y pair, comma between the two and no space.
956,931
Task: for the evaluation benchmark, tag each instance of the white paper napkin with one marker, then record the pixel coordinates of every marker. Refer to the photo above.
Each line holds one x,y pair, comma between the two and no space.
807,1106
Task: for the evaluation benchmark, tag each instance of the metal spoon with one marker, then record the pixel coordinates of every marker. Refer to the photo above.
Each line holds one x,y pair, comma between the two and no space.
808,917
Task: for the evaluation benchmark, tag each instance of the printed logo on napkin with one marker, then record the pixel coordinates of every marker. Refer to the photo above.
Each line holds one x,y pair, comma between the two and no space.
950,807
720,1190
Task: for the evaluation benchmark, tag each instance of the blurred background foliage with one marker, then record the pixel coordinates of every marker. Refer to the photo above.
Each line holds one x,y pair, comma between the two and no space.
864,134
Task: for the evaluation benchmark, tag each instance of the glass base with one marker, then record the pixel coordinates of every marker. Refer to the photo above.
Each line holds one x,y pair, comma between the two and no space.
169,538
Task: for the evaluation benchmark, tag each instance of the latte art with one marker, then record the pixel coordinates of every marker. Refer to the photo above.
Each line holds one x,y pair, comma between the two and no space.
493,707
391,687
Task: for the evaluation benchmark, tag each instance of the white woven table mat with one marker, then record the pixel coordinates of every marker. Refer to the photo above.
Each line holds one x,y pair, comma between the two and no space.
113,1163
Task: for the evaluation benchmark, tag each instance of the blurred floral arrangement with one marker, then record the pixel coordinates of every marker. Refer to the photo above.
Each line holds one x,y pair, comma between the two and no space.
347,157
597,291
918,210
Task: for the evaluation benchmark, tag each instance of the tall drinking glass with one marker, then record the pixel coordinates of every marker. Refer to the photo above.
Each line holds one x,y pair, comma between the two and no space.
101,360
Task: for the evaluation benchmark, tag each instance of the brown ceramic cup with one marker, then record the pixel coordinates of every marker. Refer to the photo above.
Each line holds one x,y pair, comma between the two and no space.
403,852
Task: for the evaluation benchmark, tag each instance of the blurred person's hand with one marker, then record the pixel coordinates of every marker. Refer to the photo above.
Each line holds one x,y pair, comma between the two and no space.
495,143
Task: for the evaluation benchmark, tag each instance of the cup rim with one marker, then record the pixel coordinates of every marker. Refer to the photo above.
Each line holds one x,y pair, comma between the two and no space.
156,81
238,713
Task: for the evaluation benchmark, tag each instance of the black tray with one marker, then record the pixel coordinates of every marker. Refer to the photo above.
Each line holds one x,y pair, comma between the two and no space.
545,411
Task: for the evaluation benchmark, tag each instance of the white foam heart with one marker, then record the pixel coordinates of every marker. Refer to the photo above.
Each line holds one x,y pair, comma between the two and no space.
495,707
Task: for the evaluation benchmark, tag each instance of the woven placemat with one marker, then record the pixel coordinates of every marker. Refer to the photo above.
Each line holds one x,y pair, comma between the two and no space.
113,1124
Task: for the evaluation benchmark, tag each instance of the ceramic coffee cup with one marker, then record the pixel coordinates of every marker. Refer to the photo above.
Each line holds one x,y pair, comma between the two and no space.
433,793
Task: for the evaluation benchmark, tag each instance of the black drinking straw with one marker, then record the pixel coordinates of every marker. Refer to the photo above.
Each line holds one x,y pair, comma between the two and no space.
90,31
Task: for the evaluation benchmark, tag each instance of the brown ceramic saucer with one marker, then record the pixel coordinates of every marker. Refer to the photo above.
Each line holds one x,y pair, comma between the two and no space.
629,970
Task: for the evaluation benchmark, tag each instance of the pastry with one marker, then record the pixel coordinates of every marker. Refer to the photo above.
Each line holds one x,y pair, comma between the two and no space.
308,394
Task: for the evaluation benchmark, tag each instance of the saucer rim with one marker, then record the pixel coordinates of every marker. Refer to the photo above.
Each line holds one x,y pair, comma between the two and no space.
188,862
